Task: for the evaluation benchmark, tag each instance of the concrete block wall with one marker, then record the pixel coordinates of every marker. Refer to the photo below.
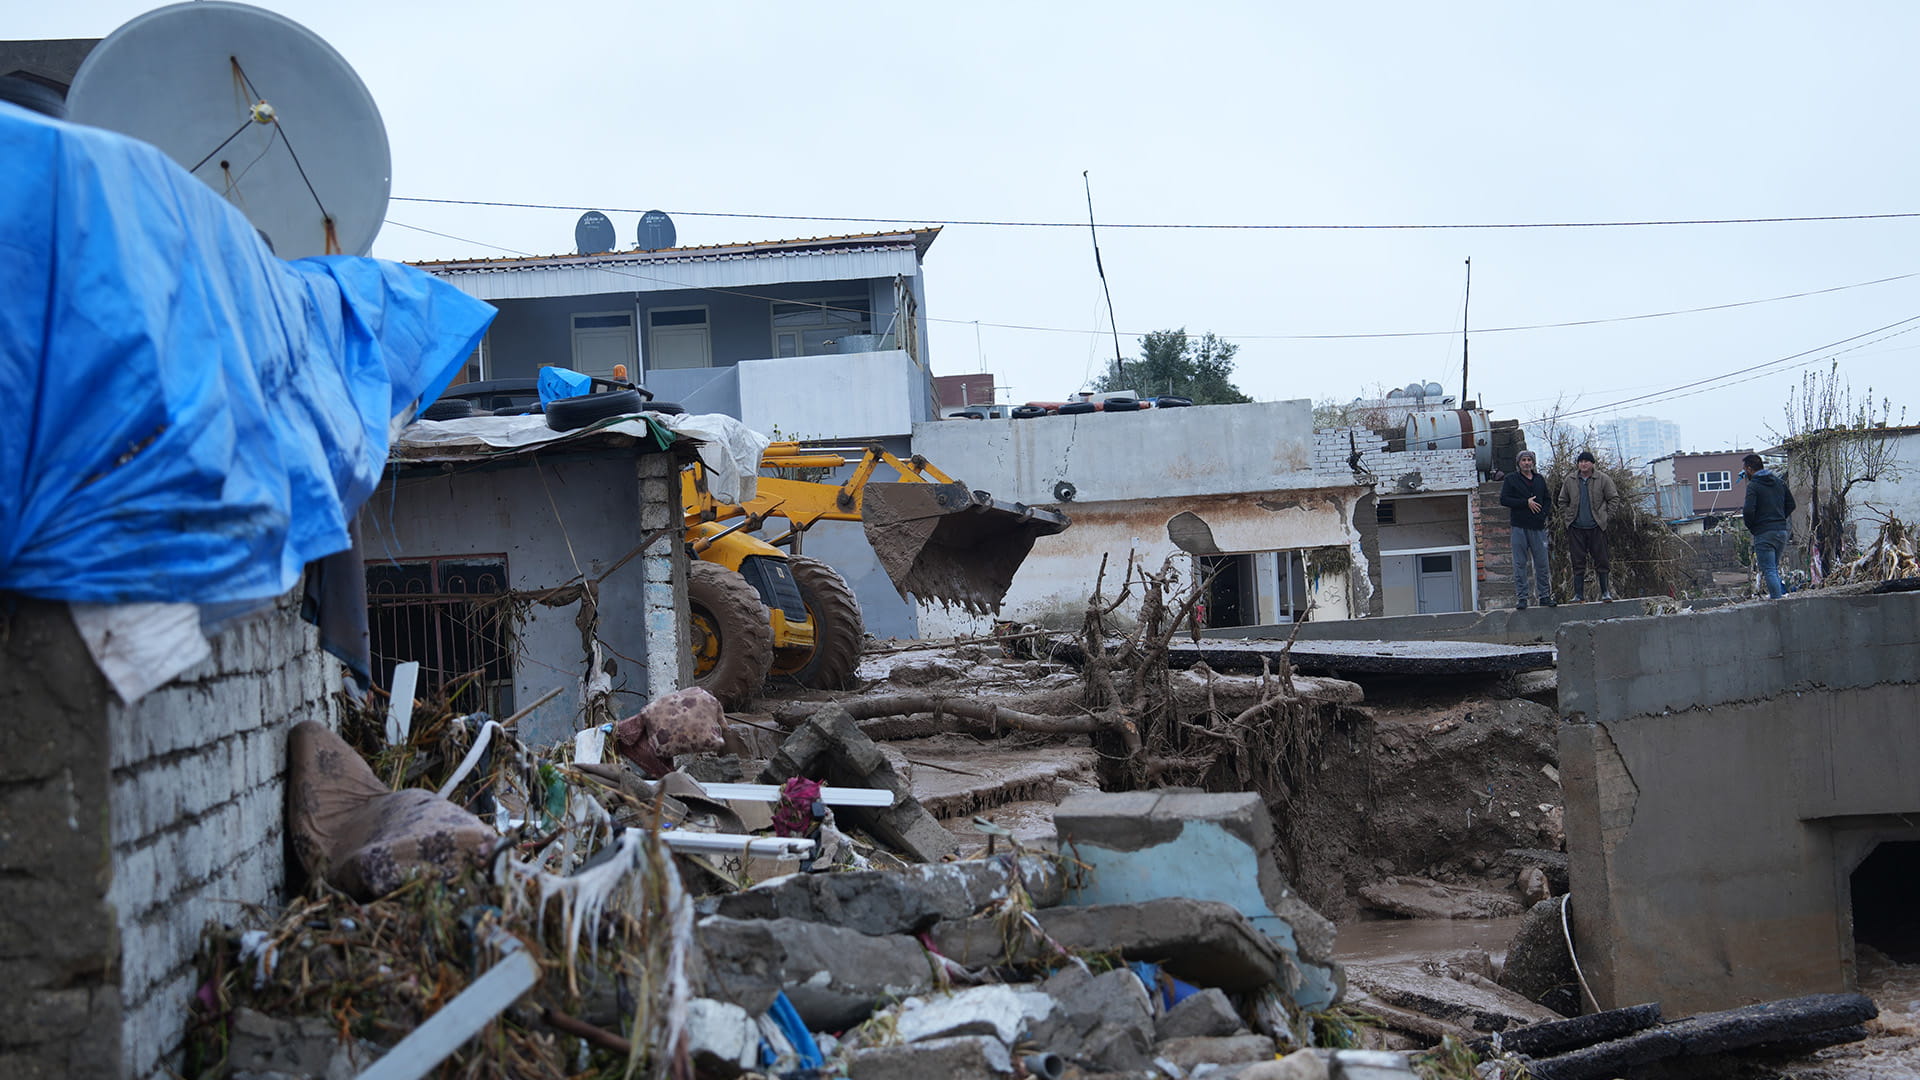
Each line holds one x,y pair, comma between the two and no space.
1725,772
197,810
664,595
1406,472
125,830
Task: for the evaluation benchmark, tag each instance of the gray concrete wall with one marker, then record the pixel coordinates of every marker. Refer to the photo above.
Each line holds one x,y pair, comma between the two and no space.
1501,626
125,830
555,517
1724,772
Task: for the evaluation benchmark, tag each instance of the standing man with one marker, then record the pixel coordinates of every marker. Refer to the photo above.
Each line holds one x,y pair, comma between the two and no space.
1591,495
1769,517
1524,494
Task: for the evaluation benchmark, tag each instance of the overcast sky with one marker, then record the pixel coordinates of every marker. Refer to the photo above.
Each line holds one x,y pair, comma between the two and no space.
1278,113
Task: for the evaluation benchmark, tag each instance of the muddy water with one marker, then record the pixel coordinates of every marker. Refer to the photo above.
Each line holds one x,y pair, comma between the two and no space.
1414,940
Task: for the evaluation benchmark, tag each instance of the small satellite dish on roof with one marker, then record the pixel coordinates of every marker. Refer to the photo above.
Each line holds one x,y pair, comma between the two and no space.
258,107
1434,389
593,233
656,231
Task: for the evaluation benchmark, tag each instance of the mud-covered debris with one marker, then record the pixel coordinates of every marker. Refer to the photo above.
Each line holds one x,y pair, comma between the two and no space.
1424,898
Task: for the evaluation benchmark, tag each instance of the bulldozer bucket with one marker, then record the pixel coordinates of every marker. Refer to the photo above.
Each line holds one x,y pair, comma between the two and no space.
948,545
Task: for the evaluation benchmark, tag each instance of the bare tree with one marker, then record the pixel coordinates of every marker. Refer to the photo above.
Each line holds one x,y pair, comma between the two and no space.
1834,443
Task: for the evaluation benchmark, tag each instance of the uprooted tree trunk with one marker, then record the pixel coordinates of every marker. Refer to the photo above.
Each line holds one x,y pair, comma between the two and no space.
1152,725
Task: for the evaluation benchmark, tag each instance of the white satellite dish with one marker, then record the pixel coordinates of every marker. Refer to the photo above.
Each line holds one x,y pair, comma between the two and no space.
310,168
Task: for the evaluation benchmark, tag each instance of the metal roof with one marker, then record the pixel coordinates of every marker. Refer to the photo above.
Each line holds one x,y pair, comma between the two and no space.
920,239
719,266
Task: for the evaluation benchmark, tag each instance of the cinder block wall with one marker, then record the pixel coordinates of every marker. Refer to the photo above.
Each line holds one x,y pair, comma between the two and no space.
198,810
1724,774
160,818
1493,547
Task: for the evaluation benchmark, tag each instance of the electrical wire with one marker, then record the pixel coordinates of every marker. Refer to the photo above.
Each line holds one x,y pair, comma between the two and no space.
1357,336
1181,225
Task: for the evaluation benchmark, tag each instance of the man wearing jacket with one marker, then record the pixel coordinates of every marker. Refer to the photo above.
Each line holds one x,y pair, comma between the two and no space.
1524,494
1768,514
1591,495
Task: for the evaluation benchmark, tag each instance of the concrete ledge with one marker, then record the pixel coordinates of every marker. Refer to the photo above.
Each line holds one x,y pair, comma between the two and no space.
1500,626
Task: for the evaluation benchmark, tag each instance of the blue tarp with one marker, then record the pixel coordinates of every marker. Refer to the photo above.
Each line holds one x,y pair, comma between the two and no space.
557,383
190,418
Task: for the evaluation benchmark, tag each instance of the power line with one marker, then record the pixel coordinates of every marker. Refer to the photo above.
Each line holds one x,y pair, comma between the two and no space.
1358,336
1179,225
1771,367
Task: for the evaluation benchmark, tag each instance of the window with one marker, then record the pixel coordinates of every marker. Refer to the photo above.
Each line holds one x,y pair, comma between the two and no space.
430,611
1256,589
815,327
1383,512
1715,481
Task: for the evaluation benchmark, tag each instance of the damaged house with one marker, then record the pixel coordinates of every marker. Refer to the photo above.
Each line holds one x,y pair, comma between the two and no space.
1288,523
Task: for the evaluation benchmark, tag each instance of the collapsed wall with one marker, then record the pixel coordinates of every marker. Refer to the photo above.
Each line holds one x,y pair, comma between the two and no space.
1725,772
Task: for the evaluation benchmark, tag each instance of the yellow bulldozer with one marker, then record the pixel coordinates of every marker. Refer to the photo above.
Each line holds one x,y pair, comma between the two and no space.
761,608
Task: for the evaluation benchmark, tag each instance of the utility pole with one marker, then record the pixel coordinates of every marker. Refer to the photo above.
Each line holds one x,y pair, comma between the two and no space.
1103,279
1463,334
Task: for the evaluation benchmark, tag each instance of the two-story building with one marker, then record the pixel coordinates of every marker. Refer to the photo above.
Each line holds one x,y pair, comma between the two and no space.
801,339
1695,486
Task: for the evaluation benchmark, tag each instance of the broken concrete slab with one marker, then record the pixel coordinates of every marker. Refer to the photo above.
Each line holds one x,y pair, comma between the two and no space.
1205,1013
264,1046
1368,1065
980,1010
1375,657
896,902
833,976
1201,941
1480,1005
1105,1021
721,1038
1213,1050
1145,845
1299,1065
830,747
1424,898
962,1058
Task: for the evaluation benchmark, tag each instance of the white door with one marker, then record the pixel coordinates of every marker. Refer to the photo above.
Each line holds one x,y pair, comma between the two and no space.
1439,585
603,340
678,338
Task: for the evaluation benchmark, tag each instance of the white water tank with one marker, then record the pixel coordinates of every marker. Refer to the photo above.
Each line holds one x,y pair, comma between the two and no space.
1453,429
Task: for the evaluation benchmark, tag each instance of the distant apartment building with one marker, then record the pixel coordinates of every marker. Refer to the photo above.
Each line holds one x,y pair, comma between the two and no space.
1699,485
1636,440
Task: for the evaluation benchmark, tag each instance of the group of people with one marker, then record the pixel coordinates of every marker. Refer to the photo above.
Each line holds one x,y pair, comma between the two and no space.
1592,496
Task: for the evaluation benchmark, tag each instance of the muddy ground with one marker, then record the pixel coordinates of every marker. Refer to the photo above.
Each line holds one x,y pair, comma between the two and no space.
1452,779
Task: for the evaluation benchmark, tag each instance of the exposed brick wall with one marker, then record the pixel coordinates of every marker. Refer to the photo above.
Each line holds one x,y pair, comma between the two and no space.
198,810
1406,472
1493,546
669,661
150,821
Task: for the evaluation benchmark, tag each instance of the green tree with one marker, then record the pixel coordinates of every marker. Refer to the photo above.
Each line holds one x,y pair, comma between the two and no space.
1176,365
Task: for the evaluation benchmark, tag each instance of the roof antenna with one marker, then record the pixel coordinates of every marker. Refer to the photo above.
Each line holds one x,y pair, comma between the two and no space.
1111,321
1463,334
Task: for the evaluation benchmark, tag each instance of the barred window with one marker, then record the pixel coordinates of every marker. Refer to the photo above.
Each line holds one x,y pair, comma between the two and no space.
444,614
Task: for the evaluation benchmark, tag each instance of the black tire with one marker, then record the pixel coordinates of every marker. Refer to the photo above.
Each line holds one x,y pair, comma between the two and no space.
839,635
1028,412
1121,405
665,408
569,414
447,409
1077,408
731,637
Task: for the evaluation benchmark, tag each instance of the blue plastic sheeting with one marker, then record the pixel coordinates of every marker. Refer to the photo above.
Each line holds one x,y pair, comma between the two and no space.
192,419
557,383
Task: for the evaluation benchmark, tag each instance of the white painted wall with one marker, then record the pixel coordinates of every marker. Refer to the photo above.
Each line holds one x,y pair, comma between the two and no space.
1203,450
856,396
1053,585
1898,491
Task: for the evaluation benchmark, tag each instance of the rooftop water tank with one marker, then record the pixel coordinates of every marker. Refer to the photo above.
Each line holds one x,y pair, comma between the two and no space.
1453,429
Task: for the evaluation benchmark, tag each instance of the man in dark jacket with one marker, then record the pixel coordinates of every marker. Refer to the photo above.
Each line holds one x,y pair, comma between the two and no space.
1591,497
1769,517
1524,494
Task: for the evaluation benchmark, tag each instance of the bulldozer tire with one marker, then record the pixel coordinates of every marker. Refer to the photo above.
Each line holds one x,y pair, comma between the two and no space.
731,637
838,632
